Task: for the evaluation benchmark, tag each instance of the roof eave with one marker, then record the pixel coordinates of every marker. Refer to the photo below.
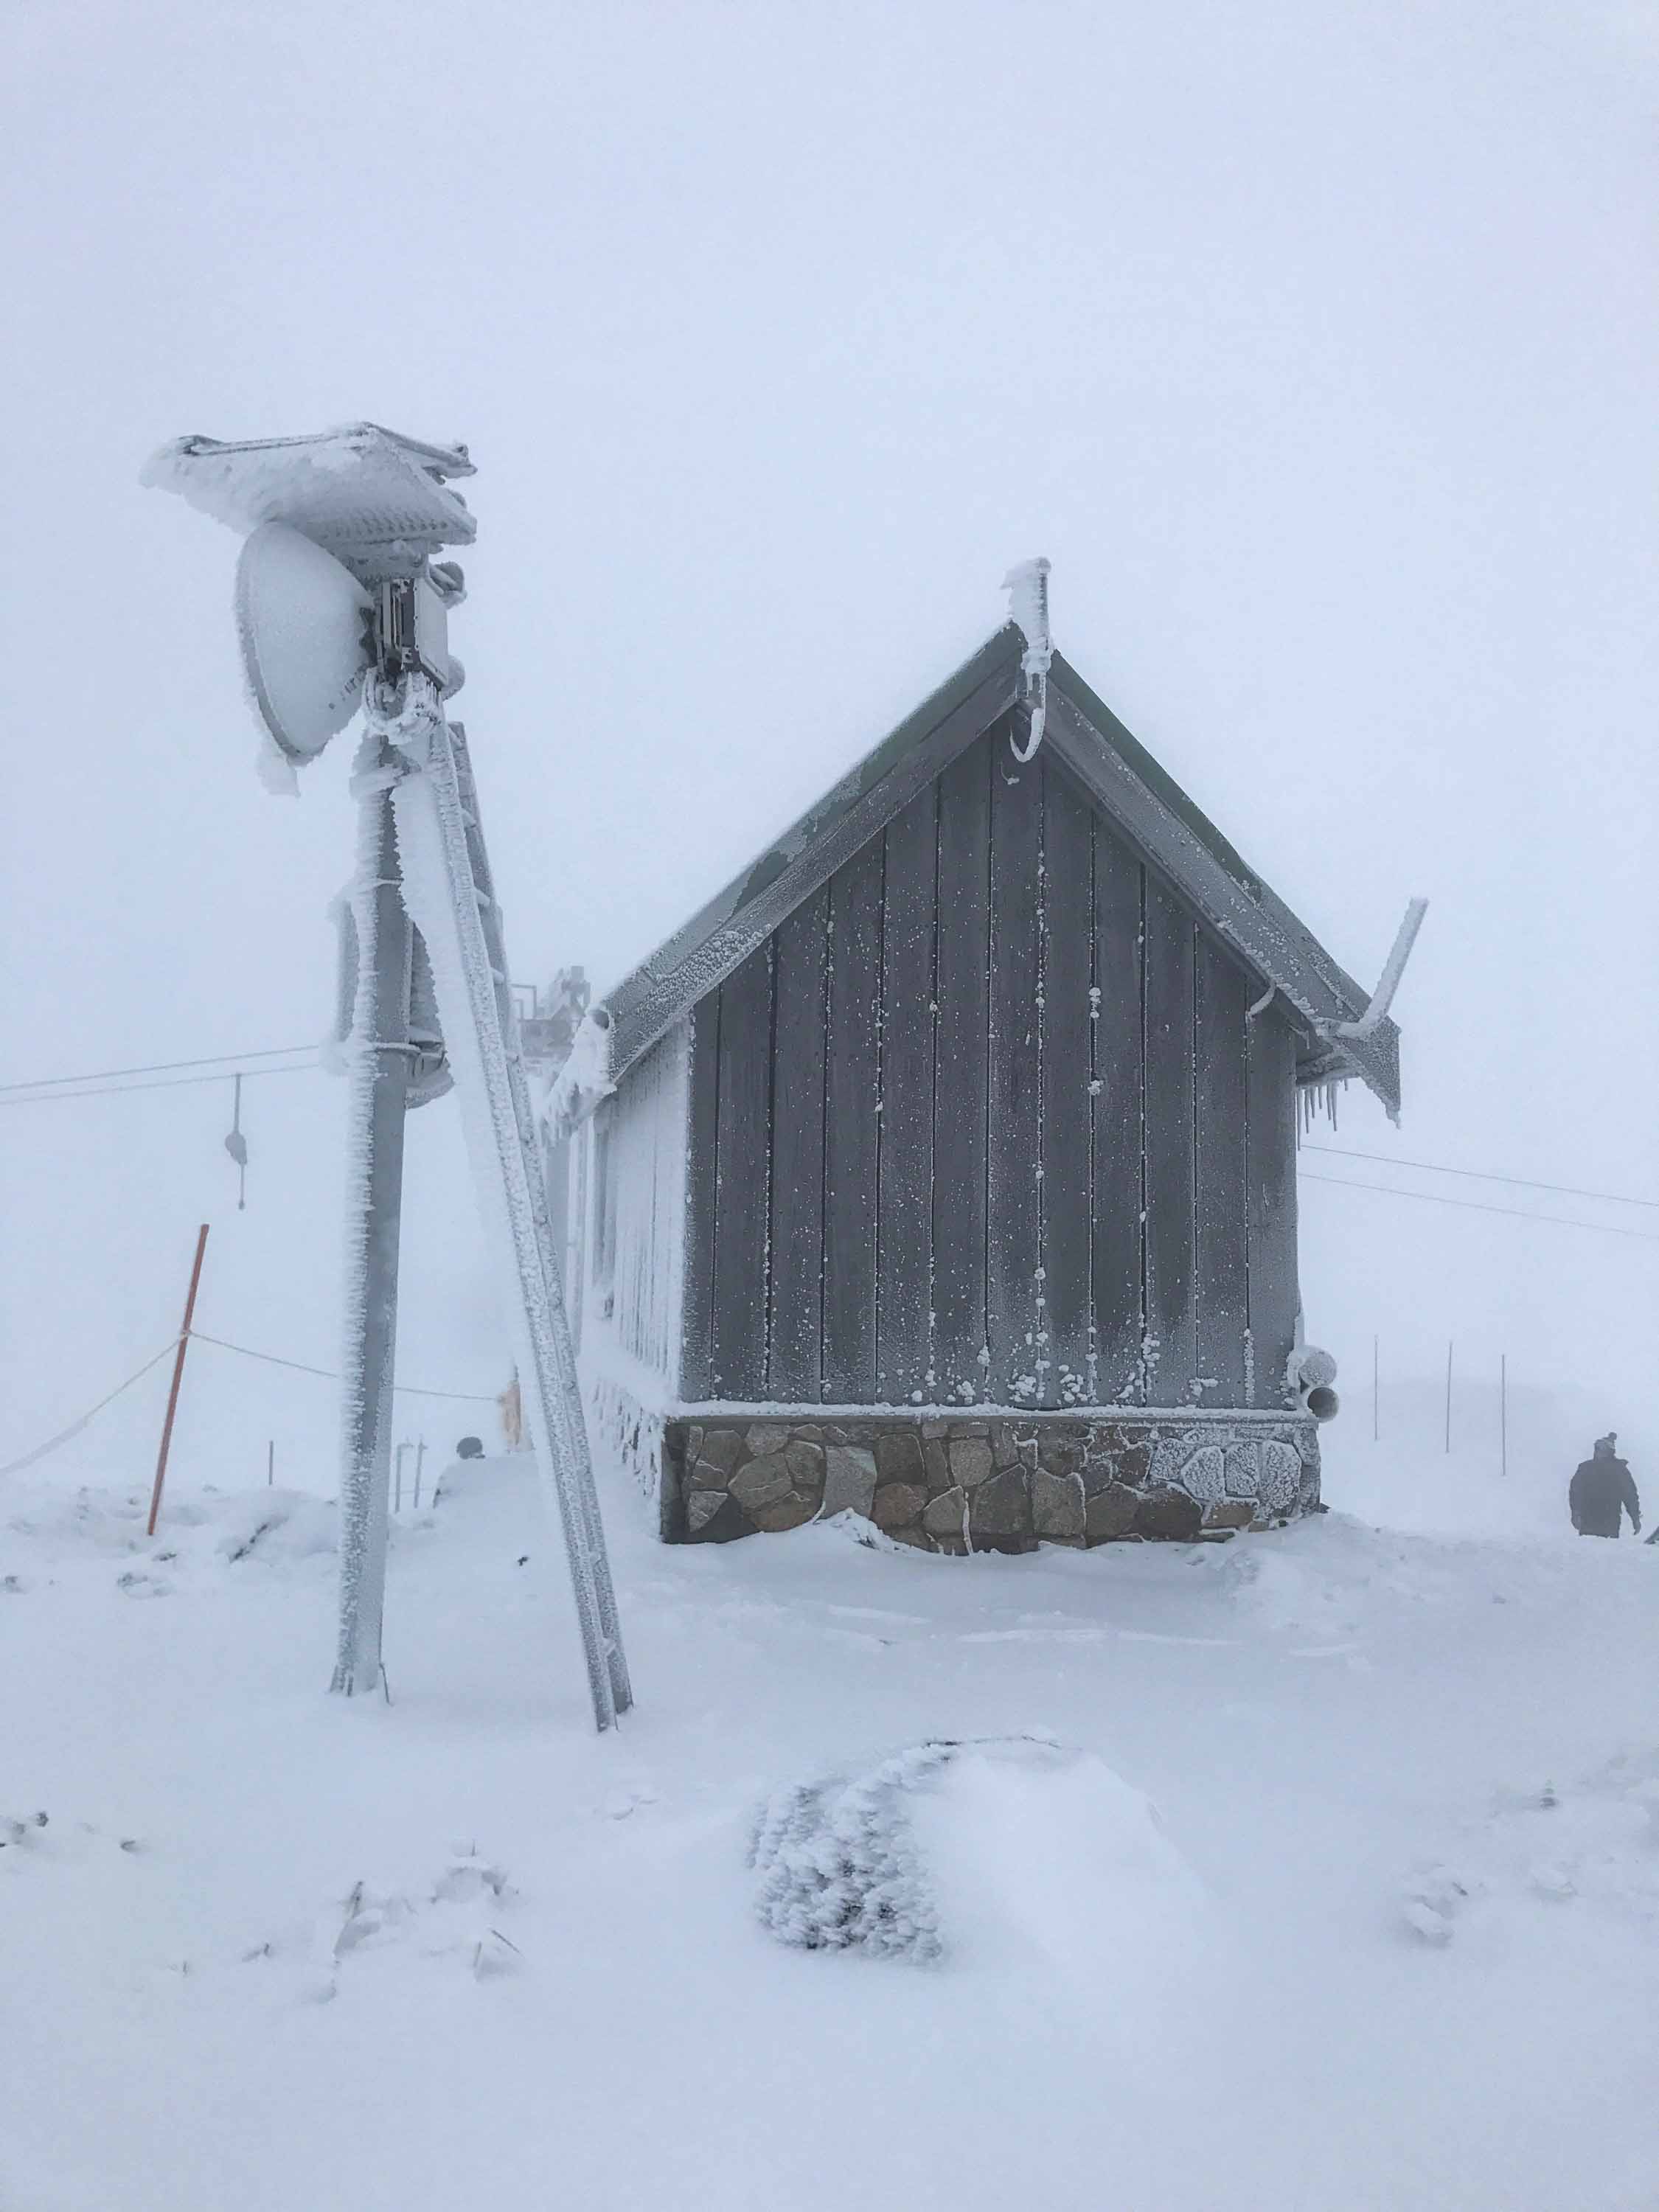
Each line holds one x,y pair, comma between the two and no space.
1190,851
721,936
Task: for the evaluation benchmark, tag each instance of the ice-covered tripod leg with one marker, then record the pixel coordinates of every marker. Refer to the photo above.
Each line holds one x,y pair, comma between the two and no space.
556,1381
451,902
379,1075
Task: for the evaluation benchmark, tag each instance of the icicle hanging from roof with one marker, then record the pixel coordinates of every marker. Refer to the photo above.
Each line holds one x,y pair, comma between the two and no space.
1313,1099
1027,586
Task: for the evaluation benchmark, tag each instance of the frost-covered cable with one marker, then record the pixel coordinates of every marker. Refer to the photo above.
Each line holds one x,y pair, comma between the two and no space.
1473,1205
1485,1175
332,1374
166,1083
75,1428
226,1061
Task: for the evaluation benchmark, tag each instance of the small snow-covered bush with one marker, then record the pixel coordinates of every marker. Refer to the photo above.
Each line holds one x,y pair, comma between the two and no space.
1015,1846
837,1864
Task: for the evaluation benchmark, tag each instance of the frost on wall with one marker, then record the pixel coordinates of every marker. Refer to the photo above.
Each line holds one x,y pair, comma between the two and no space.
1281,1474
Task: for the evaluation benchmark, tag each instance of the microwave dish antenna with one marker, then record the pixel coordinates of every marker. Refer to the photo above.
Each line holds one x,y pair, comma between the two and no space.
305,628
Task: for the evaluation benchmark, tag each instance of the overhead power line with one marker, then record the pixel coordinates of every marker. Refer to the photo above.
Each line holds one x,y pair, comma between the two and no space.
1475,1205
1483,1175
159,1068
166,1083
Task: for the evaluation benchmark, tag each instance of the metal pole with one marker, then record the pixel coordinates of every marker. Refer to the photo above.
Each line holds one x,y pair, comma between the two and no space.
1375,1420
1503,1413
420,1461
1449,1373
379,1084
177,1377
270,1464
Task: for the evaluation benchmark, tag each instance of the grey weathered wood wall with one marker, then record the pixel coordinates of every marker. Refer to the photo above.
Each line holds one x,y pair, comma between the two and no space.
986,1121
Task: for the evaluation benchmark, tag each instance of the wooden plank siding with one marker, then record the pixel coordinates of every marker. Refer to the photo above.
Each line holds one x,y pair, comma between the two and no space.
698,1350
800,1022
986,1121
1067,1334
852,1165
1014,1147
1220,995
743,1153
961,1083
1117,1229
1168,1147
1270,1149
904,1203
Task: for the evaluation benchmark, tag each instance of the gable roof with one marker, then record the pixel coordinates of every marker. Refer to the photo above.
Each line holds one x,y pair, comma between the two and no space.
1150,808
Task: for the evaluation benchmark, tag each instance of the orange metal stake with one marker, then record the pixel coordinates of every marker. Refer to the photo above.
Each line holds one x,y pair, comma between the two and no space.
177,1377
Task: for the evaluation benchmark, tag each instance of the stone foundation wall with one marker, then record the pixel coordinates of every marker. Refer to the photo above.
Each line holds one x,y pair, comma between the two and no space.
630,1431
955,1484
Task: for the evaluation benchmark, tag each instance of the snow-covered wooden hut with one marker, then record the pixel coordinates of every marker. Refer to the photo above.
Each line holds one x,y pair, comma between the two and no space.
943,1167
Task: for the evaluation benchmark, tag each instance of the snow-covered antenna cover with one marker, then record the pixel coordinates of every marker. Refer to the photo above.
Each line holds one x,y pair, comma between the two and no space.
302,623
376,500
1027,586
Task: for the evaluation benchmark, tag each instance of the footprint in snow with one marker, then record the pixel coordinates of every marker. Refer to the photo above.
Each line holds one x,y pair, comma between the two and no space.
1425,1922
620,1802
136,1583
456,1918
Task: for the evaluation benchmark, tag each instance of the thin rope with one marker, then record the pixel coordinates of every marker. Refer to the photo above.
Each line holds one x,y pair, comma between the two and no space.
330,1375
63,1436
75,1427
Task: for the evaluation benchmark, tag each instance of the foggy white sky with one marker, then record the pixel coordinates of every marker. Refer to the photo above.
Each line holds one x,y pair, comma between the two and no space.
1316,352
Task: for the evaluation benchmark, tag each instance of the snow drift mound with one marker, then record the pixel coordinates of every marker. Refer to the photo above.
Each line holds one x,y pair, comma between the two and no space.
266,1524
1002,1843
274,1524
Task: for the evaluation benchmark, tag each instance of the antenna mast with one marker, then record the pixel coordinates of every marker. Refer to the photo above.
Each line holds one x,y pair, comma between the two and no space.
341,604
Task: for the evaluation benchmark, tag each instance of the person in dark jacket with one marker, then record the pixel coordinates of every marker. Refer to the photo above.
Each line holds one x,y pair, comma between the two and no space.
1601,1493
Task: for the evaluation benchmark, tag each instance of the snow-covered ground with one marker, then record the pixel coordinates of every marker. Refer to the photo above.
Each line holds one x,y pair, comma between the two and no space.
1391,1939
